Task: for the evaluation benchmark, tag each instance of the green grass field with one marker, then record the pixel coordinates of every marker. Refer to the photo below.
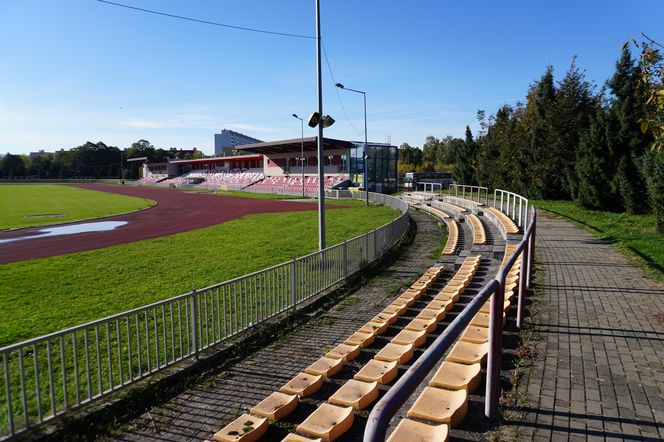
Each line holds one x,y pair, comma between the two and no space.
633,234
28,205
44,295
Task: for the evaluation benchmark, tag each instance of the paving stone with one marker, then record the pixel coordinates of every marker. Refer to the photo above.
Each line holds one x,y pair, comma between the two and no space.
600,347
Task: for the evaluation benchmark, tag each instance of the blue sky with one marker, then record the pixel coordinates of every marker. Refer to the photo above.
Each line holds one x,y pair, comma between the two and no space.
80,70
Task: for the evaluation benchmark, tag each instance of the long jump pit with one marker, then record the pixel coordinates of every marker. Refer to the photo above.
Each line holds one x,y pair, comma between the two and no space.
176,211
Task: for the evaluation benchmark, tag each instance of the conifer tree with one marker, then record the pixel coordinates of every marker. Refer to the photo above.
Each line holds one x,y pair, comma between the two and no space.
544,168
464,172
625,139
593,189
574,107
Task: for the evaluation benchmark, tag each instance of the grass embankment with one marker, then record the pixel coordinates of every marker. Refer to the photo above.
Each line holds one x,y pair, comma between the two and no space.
44,295
28,205
633,234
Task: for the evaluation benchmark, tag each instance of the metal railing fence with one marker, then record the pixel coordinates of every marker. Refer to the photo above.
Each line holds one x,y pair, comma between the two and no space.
474,192
514,205
393,400
43,378
431,186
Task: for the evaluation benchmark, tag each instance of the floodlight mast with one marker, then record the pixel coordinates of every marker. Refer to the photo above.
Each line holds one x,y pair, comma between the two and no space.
321,167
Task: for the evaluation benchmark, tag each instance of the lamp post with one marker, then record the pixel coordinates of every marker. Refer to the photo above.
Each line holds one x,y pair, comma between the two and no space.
366,143
301,150
321,170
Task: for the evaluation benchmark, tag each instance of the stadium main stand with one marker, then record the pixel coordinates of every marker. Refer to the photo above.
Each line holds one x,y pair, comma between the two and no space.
152,179
293,184
235,179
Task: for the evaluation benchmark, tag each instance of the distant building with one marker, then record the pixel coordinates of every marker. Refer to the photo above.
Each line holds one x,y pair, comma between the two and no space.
41,153
226,142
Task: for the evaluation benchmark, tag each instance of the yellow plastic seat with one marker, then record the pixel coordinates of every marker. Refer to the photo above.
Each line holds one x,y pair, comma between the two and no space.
417,324
292,437
246,428
377,371
356,394
325,367
448,294
385,317
412,293
403,302
328,422
468,353
480,320
486,307
412,431
441,304
454,282
455,376
276,406
360,338
344,351
303,385
429,312
393,309
438,405
475,334
452,287
374,327
395,352
416,338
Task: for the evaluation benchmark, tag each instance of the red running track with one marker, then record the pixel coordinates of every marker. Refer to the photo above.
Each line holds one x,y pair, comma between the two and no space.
176,211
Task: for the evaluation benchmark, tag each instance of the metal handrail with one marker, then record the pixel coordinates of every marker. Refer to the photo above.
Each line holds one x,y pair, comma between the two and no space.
44,377
508,204
389,405
471,189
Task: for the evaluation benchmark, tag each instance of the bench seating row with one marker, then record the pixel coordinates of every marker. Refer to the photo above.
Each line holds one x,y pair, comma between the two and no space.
334,417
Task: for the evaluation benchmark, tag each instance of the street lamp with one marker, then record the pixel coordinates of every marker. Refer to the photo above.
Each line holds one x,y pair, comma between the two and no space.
301,150
366,143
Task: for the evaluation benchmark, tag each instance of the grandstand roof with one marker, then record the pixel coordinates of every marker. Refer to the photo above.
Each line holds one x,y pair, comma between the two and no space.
218,159
294,145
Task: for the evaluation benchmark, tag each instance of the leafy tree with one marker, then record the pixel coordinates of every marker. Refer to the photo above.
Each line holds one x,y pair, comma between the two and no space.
410,155
464,171
652,123
652,164
430,150
652,79
12,166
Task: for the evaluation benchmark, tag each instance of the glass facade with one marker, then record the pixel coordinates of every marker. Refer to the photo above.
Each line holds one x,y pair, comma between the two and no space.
381,167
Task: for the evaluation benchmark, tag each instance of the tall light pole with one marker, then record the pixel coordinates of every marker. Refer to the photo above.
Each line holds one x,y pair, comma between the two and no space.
301,150
366,143
321,170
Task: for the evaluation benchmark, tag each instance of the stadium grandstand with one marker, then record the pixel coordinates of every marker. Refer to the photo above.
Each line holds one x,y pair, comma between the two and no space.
284,167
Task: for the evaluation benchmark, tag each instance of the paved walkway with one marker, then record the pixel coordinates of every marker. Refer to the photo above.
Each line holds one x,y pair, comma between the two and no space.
598,372
198,413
